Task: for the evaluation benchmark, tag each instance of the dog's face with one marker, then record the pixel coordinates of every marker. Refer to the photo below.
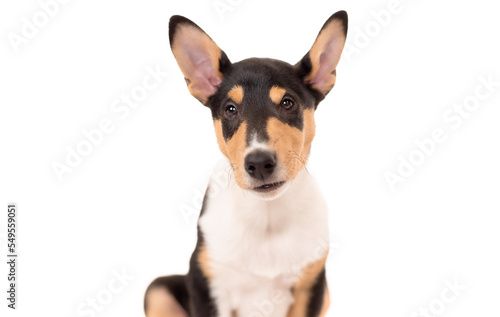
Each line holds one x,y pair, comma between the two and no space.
262,109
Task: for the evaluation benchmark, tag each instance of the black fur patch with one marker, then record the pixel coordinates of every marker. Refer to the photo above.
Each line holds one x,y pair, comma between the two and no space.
317,295
256,76
191,291
201,302
175,285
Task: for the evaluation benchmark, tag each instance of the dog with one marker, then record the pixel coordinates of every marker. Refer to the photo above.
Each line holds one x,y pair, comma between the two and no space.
263,238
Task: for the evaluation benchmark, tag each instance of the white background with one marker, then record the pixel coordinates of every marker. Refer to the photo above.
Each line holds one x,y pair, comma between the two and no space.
127,205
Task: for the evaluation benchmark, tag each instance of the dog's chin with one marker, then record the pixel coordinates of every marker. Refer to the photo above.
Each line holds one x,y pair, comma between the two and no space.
270,191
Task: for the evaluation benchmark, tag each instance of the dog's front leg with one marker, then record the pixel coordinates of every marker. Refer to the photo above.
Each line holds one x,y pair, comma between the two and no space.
201,300
201,304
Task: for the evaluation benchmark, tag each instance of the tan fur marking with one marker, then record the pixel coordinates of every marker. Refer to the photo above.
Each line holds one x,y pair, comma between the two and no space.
220,137
236,94
204,262
309,131
334,29
205,43
292,145
302,289
276,94
288,142
236,147
234,150
160,303
310,274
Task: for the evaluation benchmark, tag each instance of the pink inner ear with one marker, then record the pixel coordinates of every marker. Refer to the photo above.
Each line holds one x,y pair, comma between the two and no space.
328,61
198,58
204,76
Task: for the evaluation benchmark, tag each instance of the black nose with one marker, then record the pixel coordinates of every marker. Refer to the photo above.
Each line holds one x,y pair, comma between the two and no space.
260,164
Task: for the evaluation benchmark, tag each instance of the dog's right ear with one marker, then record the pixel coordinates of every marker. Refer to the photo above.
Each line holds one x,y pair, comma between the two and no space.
201,61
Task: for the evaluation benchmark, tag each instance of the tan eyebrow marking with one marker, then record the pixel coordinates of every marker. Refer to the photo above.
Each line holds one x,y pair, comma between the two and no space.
236,94
276,94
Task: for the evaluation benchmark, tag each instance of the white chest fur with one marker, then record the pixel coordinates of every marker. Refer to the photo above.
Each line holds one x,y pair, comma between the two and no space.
258,249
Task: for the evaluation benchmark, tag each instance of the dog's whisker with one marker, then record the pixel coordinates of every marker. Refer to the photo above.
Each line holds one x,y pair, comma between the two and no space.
298,157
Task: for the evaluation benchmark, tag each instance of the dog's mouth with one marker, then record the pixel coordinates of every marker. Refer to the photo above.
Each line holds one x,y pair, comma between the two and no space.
268,187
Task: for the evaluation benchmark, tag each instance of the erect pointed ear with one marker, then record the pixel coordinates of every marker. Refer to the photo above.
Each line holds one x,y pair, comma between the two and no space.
201,61
317,68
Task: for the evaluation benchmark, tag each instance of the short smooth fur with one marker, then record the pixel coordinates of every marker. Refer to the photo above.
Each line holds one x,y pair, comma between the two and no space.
263,235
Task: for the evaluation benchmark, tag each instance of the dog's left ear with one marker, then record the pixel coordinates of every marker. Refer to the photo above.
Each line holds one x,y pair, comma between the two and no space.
317,67
201,61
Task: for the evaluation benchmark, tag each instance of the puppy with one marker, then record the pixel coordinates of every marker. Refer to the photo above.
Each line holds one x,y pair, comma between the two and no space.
263,236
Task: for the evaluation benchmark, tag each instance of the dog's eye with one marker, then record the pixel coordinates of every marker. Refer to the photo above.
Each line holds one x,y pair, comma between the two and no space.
287,103
231,111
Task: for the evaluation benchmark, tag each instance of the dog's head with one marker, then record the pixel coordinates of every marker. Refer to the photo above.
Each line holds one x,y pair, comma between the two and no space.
262,109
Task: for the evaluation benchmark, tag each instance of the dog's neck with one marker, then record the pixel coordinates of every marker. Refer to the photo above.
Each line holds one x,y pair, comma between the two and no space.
250,208
247,231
